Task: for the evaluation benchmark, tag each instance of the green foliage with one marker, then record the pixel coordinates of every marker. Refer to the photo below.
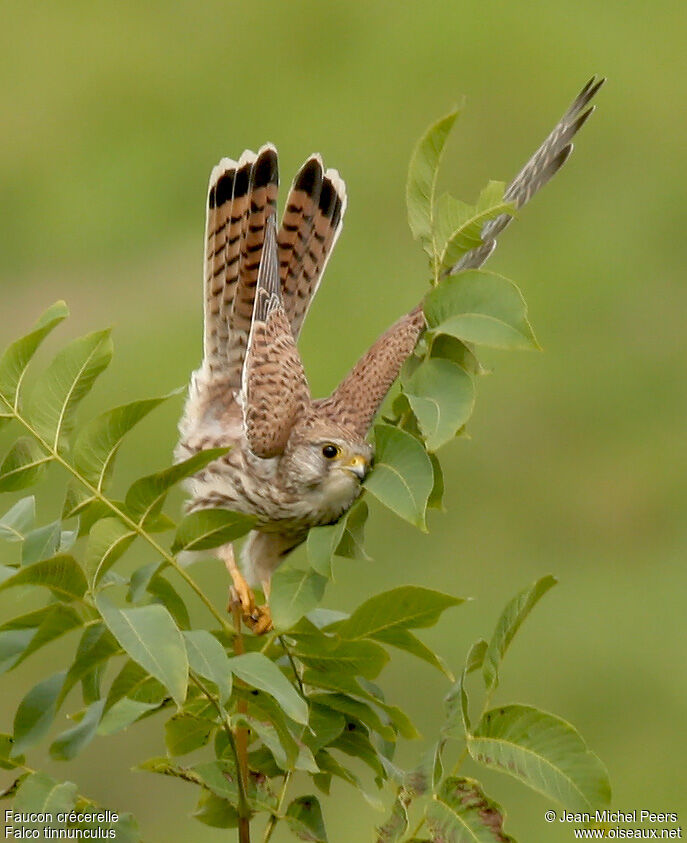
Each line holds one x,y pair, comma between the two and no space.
462,813
542,751
243,712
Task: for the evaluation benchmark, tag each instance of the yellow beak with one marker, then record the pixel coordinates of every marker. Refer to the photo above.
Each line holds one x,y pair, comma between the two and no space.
358,465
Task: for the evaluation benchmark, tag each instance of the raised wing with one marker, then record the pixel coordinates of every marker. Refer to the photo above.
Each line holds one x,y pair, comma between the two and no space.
275,391
358,397
541,167
356,400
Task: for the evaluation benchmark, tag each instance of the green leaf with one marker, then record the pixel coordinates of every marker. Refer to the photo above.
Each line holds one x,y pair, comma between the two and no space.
457,723
403,639
123,713
509,623
164,593
460,225
258,671
424,778
345,538
265,709
41,543
90,685
476,655
21,637
152,639
450,348
406,607
98,441
61,574
436,497
185,733
147,495
135,682
461,813
402,477
293,593
284,753
70,743
18,520
16,358
207,658
6,746
356,709
442,396
481,307
352,541
64,383
347,684
96,646
396,824
216,812
23,466
321,545
13,644
304,818
355,742
331,655
36,712
208,528
544,752
220,778
329,765
107,541
40,793
12,787
422,179
324,725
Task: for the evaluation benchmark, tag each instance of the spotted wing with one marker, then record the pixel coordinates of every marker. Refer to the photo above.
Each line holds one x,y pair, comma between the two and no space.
356,400
275,391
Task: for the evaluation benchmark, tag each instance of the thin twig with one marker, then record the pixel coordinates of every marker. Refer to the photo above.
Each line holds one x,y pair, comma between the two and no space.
276,815
293,664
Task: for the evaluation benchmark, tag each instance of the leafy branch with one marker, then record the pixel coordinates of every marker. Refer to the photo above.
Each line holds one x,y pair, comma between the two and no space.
247,718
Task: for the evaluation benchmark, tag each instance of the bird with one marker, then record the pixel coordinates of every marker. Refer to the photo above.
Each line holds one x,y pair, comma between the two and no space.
295,462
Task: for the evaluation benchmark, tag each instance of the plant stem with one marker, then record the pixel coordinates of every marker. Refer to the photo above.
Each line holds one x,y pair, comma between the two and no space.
275,817
130,523
241,745
292,663
242,775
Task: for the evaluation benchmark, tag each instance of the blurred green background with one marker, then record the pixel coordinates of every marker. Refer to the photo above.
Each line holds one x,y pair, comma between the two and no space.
113,115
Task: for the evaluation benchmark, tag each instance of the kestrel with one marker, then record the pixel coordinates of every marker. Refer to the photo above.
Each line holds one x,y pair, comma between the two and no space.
295,462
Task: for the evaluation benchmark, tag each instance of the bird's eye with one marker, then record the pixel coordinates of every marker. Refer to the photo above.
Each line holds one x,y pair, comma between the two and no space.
330,451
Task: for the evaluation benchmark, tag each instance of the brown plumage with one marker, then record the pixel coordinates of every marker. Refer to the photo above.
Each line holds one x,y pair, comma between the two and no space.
296,462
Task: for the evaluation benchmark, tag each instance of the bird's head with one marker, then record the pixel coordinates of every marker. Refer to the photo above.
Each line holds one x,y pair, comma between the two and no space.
327,457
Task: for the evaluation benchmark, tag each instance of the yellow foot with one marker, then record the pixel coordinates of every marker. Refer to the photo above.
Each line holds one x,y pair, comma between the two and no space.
259,620
255,617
